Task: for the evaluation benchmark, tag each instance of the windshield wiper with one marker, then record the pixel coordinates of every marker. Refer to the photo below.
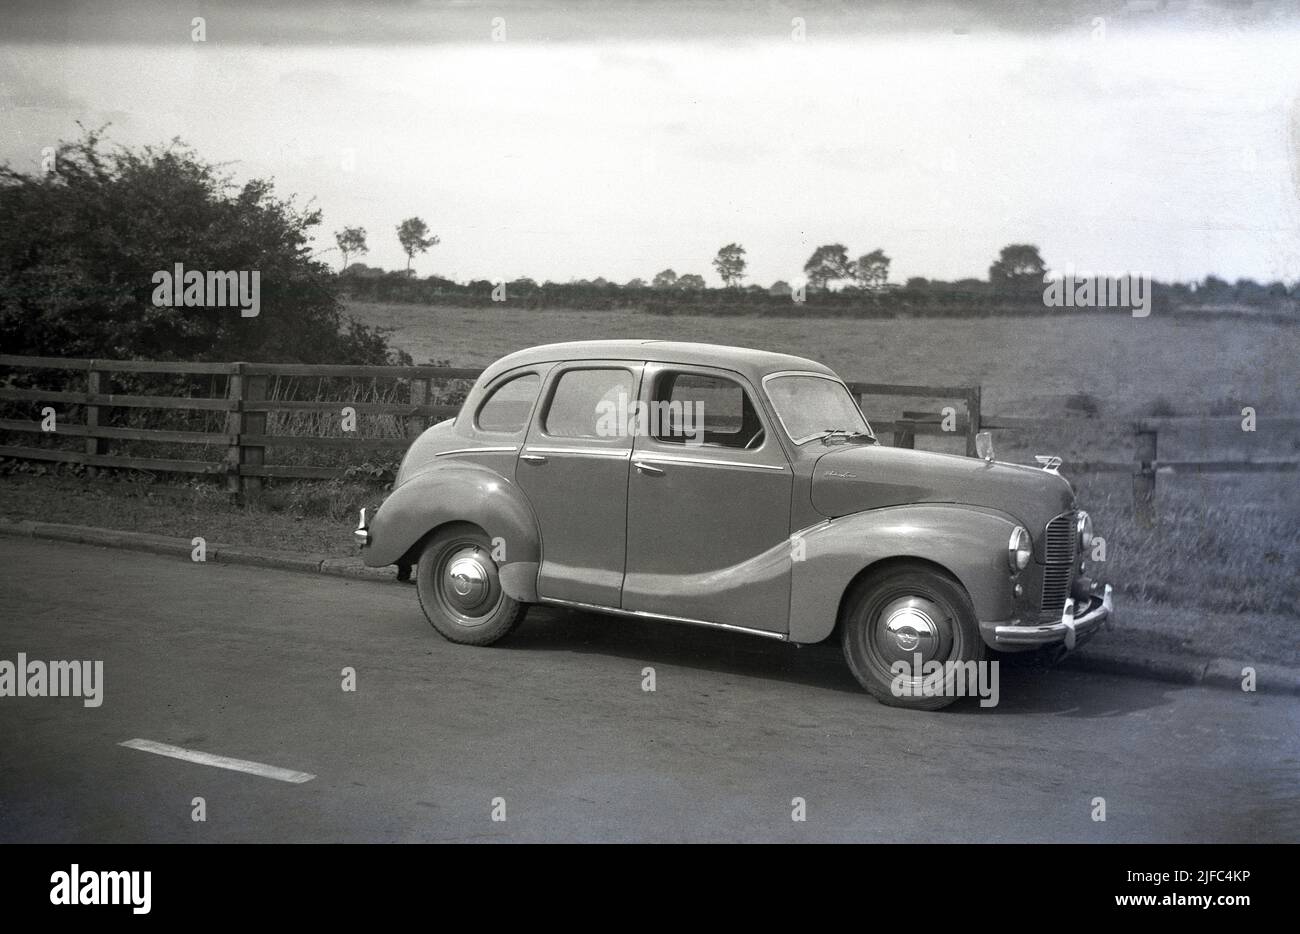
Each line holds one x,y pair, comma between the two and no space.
847,435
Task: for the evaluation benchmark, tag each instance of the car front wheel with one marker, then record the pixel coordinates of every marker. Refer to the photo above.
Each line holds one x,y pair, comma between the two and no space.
901,615
460,588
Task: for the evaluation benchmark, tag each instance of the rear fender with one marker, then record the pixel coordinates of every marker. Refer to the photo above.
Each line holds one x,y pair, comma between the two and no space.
458,491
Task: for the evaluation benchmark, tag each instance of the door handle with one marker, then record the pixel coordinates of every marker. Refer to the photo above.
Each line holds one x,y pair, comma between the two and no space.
643,467
532,458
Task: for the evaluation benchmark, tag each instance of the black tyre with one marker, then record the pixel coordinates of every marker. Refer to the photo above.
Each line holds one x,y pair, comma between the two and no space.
902,611
460,588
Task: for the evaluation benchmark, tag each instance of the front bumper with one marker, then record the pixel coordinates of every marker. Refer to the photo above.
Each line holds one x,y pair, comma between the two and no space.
1070,628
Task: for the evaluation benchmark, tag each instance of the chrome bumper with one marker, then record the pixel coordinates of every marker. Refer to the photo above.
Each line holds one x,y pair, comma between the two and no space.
1066,630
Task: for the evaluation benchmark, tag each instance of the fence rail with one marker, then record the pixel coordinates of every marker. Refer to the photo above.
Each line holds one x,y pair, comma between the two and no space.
245,437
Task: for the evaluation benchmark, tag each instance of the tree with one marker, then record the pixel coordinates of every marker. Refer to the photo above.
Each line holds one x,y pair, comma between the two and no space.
413,234
828,264
1017,268
351,241
360,270
1215,288
635,284
692,281
80,247
730,264
871,270
780,287
664,280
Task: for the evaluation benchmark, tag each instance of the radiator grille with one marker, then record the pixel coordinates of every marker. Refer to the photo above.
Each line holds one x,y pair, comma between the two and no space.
1059,540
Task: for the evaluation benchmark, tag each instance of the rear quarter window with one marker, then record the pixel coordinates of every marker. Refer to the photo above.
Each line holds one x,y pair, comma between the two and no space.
506,408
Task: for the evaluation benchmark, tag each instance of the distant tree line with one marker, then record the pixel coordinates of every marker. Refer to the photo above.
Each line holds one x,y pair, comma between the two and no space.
83,237
835,285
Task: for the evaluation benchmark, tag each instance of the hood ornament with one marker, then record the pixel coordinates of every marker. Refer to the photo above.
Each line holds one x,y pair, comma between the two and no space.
1049,462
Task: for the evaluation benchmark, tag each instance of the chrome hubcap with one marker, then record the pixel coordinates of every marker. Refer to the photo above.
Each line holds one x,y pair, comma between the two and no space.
467,582
910,626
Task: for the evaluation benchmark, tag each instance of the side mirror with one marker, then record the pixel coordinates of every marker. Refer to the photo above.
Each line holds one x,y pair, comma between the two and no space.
984,445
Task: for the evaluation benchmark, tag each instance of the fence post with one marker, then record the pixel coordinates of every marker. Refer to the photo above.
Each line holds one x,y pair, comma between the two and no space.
254,423
234,425
1144,480
416,424
94,446
972,419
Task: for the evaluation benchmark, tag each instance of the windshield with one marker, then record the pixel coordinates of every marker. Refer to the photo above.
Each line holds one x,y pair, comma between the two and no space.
811,406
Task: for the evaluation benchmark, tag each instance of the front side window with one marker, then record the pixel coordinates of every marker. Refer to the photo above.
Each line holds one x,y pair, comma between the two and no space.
583,399
812,406
690,407
506,408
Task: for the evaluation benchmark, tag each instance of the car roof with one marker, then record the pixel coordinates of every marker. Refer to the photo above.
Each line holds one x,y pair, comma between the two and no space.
754,364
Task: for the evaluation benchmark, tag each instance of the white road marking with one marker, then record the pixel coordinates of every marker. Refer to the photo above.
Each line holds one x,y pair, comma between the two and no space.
221,762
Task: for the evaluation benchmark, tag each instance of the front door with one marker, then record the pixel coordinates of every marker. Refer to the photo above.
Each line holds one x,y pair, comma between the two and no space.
574,471
708,504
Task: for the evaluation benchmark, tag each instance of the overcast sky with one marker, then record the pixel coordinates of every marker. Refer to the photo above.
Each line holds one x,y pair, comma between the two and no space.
615,140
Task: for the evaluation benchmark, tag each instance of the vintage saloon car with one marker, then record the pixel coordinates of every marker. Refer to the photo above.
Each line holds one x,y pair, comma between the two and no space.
730,488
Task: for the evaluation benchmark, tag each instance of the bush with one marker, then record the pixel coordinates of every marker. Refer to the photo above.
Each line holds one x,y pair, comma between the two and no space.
79,247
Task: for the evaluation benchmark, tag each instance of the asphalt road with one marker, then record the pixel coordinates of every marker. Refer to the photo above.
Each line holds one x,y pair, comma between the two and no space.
247,663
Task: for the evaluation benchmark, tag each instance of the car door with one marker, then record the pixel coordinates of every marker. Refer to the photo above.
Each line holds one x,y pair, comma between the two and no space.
574,470
708,504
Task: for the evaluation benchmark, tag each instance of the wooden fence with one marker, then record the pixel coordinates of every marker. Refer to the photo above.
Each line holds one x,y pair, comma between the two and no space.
246,406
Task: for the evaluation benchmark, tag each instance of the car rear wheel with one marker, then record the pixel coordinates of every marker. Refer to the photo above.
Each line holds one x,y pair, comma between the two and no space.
904,613
460,588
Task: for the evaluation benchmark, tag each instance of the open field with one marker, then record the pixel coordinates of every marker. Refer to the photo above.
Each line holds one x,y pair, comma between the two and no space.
1027,366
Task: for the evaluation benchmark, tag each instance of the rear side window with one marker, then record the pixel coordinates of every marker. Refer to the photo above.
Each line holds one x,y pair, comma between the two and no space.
506,409
582,397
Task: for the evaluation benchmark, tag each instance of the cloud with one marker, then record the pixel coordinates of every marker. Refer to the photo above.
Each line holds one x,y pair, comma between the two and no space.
24,84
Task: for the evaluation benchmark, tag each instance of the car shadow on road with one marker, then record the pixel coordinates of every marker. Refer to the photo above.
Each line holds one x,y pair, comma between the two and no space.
1024,687
655,642
1035,688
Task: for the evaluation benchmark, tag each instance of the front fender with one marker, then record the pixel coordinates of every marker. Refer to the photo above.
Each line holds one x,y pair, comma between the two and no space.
970,542
460,492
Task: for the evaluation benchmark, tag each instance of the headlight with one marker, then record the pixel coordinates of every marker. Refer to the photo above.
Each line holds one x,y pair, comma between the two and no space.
1084,527
1020,549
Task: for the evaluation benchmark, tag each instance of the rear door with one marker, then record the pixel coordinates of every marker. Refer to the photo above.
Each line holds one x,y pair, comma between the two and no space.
574,471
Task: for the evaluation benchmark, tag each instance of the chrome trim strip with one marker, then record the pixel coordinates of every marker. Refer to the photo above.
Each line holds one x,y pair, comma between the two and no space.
594,452
809,529
500,449
652,457
641,614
